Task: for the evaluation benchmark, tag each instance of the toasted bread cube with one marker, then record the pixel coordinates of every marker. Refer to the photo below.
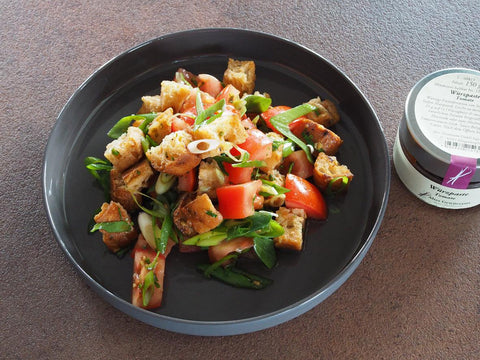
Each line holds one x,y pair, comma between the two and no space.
293,222
138,176
125,185
327,170
317,135
227,127
275,201
196,215
240,74
202,214
210,177
172,155
119,192
110,212
161,126
150,104
326,113
274,160
173,94
126,150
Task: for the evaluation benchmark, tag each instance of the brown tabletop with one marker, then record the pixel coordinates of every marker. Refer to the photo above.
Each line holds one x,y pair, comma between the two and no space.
416,295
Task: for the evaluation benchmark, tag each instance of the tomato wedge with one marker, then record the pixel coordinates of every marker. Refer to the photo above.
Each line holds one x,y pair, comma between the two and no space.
142,255
275,110
226,247
238,175
188,181
209,84
236,201
306,196
258,145
301,166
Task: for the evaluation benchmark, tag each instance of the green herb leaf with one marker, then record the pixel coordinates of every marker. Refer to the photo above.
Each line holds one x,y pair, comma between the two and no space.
278,189
257,103
282,120
165,233
113,226
236,277
204,115
148,287
100,169
265,250
122,125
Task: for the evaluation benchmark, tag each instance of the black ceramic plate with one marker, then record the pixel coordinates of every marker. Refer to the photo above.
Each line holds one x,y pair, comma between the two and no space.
291,74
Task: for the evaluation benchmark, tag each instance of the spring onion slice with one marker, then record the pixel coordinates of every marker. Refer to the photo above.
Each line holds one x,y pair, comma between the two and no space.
122,125
282,120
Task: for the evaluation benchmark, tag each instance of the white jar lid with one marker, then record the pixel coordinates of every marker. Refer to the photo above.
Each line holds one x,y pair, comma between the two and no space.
441,126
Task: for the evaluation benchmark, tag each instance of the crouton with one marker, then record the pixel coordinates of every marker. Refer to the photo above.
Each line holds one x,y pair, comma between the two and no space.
210,177
172,155
326,113
321,138
111,212
277,178
138,176
227,127
274,160
119,192
196,216
240,74
161,126
292,221
173,94
328,172
126,150
150,104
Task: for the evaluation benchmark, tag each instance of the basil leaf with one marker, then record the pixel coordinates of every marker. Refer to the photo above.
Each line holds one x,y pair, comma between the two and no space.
282,120
100,169
113,226
236,277
247,227
257,103
265,250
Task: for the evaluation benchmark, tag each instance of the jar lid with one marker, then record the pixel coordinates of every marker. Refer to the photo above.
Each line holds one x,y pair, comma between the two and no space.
441,127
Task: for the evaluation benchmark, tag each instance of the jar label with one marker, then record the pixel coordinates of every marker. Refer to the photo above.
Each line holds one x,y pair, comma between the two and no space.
460,172
430,191
447,109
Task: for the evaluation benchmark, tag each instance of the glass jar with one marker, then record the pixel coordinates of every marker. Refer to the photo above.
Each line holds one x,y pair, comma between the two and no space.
437,148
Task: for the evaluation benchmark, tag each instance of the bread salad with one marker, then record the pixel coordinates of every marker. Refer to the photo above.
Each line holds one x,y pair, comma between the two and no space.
210,165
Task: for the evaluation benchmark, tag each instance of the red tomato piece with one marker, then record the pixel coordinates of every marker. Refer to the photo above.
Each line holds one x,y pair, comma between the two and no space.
209,84
275,110
258,145
224,248
236,201
301,166
141,254
306,196
188,181
238,175
228,93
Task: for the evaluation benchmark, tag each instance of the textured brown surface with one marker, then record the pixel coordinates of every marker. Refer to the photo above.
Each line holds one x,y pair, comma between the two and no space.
416,295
